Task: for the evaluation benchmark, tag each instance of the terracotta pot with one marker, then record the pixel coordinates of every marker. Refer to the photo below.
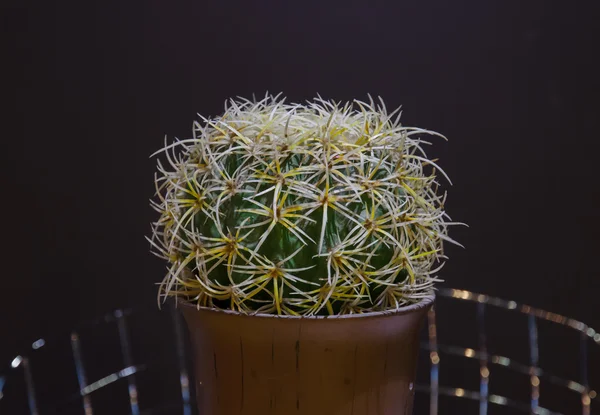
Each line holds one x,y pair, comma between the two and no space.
263,364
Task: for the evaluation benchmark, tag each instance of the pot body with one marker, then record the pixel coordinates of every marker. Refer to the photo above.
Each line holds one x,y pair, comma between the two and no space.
344,365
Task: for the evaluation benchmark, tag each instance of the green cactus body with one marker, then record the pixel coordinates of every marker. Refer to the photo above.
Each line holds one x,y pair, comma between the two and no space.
299,210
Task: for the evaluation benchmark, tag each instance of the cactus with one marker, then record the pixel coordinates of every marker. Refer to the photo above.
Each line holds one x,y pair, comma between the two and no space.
300,209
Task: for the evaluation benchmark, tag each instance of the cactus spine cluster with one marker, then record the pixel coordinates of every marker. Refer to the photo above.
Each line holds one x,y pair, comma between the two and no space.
320,208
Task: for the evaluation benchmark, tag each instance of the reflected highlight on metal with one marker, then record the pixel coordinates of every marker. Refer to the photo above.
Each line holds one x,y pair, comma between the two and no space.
495,399
16,362
38,344
128,373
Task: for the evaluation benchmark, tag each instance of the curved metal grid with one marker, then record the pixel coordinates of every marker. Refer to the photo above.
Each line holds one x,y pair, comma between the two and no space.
532,369
21,366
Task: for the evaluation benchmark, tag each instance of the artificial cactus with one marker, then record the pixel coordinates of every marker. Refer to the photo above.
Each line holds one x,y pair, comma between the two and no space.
300,209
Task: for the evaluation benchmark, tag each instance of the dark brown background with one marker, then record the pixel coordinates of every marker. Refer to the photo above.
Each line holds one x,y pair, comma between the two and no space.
91,88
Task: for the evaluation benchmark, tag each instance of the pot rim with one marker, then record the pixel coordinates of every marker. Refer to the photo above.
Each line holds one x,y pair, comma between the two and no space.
425,302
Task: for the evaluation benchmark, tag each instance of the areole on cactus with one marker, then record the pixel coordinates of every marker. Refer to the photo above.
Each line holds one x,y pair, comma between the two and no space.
320,208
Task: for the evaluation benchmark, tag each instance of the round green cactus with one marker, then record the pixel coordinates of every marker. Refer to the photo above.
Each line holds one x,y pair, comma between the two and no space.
295,209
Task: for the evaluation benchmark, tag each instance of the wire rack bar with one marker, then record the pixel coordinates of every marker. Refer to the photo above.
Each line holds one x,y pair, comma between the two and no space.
434,358
512,365
522,308
493,399
31,399
583,369
484,372
81,376
107,380
128,361
184,379
534,361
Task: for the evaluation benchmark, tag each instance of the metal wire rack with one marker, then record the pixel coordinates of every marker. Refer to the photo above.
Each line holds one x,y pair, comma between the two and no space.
132,388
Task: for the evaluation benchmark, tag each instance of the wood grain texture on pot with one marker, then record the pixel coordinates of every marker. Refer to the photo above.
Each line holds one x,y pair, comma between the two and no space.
251,365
